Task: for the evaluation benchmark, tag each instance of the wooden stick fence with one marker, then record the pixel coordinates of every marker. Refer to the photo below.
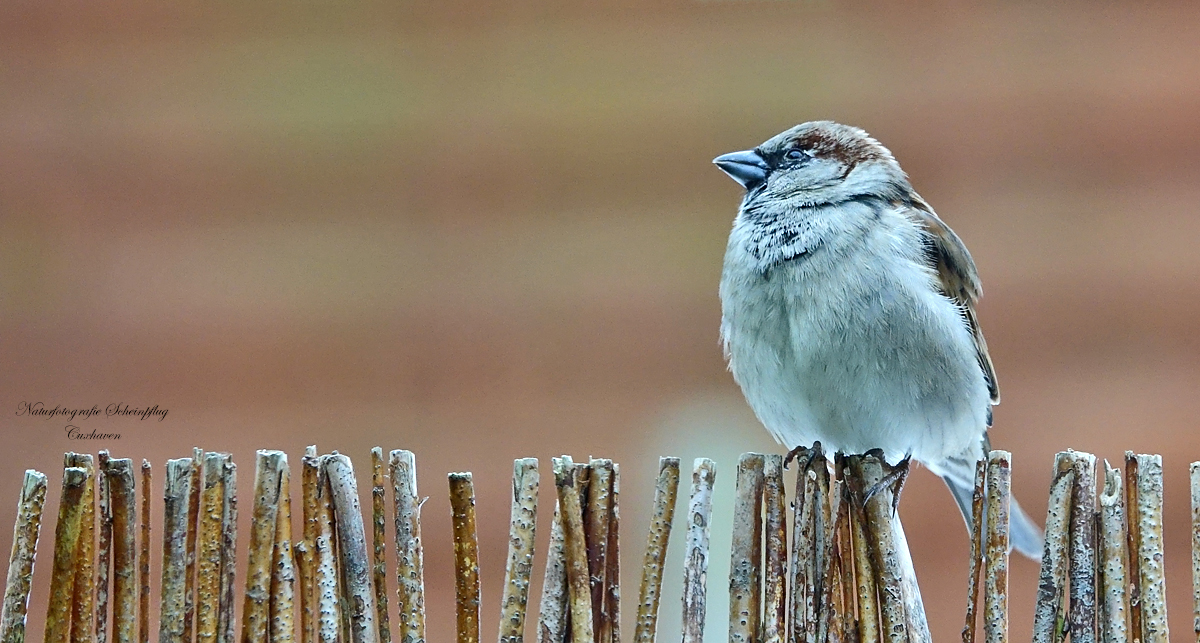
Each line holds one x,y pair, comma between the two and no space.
847,577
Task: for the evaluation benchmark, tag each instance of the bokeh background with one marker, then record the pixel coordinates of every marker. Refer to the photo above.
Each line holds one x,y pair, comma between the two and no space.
487,230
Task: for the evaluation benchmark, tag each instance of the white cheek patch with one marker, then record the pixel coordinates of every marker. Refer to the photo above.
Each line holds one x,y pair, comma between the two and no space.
809,184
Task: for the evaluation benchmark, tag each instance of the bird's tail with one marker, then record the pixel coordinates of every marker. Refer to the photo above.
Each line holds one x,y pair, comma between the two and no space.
959,473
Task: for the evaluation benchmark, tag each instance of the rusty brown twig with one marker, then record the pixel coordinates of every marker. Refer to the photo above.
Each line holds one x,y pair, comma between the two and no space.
256,606
613,574
596,524
123,498
466,557
66,547
83,600
306,553
1132,540
144,558
379,547
225,625
976,562
103,546
209,550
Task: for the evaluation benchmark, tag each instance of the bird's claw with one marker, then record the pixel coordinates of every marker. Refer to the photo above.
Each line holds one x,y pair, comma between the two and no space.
895,480
814,452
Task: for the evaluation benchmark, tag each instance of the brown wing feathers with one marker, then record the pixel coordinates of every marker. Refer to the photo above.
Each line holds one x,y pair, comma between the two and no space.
959,281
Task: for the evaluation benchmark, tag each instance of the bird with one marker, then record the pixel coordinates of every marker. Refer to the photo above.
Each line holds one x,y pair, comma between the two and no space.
848,311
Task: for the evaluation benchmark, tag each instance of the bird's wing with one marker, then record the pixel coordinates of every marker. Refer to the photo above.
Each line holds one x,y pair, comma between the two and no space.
956,271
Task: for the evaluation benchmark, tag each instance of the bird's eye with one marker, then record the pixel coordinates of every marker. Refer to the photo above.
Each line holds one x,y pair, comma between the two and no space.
794,155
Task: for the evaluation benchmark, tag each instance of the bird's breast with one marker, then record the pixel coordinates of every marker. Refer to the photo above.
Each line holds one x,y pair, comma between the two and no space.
857,351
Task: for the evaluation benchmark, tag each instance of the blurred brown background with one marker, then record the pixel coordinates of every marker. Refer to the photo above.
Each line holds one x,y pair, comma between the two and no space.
487,230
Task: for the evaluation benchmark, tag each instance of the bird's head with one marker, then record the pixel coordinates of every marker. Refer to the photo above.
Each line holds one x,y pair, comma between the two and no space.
813,164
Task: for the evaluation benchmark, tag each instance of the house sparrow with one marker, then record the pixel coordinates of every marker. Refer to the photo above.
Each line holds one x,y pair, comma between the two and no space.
848,310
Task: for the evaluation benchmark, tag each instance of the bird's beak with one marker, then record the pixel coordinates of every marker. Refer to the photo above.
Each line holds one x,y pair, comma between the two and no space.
748,167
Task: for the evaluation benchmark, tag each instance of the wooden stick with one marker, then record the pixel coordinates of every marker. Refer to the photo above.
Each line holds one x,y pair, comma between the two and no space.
144,558
977,529
829,502
1133,540
665,491
1052,581
596,522
379,547
208,586
804,551
522,530
1194,477
746,551
579,595
66,548
612,574
306,548
995,602
256,605
552,612
1114,628
177,482
834,587
20,563
864,574
466,557
123,497
352,545
847,629
410,566
343,594
189,595
104,546
1150,549
884,559
1083,549
83,601
283,573
817,487
328,603
225,624
775,579
695,568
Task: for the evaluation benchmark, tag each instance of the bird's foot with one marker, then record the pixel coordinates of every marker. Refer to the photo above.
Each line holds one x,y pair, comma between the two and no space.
813,452
895,480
